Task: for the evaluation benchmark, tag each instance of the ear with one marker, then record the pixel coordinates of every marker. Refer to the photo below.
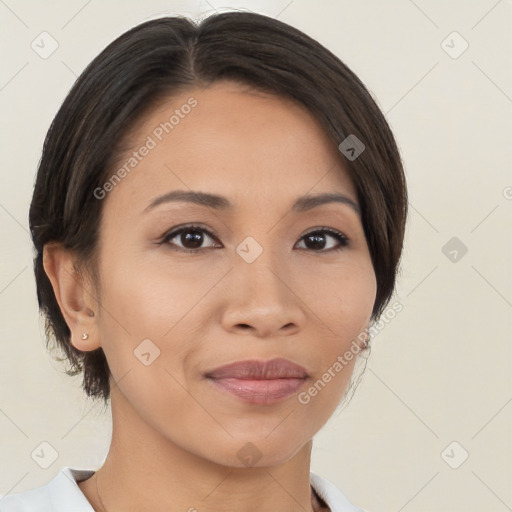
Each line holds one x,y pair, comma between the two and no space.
74,295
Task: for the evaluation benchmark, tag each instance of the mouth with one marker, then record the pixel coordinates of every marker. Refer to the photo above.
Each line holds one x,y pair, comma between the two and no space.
259,382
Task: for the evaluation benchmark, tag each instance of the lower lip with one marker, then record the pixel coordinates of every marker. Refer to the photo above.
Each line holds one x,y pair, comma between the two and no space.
266,391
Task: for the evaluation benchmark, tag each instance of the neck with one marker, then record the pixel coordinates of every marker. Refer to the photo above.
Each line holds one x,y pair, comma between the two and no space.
145,471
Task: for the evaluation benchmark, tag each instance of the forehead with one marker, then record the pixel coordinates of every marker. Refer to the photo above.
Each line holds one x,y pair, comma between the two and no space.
234,141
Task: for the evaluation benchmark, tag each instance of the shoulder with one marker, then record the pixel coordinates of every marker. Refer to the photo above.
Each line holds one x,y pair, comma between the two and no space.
333,497
58,495
34,500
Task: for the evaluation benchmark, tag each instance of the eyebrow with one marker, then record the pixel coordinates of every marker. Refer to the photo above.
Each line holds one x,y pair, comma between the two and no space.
302,204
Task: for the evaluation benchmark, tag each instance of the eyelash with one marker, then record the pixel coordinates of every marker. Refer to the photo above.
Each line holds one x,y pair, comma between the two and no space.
342,239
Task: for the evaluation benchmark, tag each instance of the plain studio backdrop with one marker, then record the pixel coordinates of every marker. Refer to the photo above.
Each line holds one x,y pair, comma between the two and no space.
429,427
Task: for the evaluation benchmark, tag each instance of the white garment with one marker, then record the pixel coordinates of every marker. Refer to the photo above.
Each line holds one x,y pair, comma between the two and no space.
62,494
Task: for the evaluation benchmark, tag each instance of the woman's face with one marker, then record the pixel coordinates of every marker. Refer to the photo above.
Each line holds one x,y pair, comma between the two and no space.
259,286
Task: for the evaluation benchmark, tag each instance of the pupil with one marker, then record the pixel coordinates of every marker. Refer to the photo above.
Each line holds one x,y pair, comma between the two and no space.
319,241
196,239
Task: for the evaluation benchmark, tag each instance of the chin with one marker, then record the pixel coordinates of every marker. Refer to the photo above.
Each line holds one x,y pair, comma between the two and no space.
260,452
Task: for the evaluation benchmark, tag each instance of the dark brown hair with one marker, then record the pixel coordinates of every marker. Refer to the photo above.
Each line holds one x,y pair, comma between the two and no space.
168,55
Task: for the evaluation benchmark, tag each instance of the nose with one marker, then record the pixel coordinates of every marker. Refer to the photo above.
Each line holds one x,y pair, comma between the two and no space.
261,302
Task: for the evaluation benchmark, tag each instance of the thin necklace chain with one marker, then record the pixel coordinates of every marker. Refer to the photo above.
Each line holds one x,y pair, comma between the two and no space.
99,496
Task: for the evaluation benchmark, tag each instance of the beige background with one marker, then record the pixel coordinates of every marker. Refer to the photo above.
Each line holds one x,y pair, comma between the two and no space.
440,371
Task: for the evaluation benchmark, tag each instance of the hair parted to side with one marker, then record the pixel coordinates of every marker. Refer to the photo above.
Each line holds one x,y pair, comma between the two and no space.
162,57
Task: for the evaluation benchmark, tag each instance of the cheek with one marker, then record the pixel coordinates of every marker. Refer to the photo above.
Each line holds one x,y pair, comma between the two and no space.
344,297
343,304
148,297
144,299
146,333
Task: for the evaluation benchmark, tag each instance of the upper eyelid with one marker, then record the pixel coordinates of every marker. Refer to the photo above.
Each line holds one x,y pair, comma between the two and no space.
177,230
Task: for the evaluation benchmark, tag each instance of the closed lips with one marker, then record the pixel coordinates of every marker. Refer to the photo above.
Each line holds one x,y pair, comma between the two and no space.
278,368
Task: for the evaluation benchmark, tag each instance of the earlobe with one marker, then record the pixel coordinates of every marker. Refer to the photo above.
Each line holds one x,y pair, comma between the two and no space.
75,299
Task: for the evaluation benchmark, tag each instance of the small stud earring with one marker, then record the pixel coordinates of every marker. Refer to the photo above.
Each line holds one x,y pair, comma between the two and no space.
85,336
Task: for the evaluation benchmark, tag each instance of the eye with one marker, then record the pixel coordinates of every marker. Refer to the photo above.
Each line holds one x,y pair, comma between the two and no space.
191,238
317,240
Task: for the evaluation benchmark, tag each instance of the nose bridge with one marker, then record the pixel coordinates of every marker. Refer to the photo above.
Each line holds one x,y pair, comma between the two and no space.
259,264
262,298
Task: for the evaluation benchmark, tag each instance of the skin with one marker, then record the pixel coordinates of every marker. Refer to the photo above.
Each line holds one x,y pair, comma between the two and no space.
175,436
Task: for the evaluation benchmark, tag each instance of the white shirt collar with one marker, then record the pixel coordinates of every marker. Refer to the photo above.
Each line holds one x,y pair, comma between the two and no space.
62,494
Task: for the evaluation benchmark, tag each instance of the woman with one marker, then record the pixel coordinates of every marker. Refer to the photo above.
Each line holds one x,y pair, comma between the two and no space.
218,218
